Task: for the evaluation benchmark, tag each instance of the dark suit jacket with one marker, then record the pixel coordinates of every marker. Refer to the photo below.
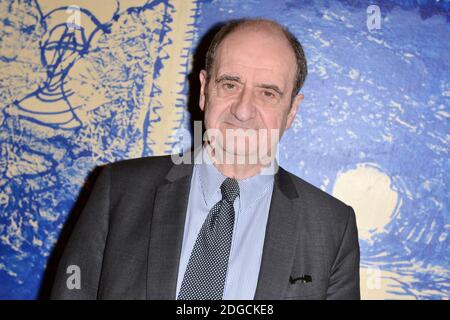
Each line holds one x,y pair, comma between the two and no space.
128,239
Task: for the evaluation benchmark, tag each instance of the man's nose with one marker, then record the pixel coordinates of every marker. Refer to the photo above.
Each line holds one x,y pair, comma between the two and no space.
244,108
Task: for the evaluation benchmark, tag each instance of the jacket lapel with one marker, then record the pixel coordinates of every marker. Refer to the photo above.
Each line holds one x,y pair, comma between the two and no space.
280,240
166,232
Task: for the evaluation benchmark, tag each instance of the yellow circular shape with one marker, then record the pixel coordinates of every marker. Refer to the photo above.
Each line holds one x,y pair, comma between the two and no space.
369,191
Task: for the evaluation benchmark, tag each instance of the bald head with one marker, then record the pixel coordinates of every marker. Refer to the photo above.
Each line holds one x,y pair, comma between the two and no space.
263,28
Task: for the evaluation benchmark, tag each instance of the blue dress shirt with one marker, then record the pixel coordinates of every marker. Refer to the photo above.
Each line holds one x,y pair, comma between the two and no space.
251,213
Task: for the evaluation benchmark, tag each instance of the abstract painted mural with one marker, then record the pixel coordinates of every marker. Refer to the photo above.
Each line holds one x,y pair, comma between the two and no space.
84,83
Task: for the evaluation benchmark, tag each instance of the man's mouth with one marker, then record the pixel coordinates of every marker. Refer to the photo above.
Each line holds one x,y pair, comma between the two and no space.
238,126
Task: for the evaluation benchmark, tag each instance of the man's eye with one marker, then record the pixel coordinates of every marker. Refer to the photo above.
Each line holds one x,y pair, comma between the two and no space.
229,86
269,94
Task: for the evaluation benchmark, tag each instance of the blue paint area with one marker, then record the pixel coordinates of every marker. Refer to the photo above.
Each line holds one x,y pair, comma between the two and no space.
379,97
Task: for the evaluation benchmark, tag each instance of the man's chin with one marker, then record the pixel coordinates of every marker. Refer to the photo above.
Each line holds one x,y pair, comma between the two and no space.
240,156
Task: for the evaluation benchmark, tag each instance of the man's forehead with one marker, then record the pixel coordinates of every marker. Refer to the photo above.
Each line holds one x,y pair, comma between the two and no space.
270,73
254,51
251,54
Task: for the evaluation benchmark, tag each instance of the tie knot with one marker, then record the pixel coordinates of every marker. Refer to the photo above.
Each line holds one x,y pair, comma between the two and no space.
230,189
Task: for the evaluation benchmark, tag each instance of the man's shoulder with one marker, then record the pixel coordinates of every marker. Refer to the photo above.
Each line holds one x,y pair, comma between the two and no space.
319,202
151,167
142,162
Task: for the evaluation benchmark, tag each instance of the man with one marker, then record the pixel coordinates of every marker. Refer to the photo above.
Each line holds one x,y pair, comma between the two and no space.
216,229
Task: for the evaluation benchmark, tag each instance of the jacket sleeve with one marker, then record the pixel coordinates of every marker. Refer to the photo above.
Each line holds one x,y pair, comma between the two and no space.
79,269
344,277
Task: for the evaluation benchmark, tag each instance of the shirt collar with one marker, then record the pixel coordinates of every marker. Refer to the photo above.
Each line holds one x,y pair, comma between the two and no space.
251,189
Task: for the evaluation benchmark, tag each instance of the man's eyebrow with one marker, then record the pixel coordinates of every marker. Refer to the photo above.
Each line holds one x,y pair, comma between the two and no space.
227,77
273,87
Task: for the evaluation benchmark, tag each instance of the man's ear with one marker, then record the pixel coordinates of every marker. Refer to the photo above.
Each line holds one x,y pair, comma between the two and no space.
202,100
293,109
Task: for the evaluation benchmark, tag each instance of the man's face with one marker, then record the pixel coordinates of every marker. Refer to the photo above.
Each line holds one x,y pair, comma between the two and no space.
250,87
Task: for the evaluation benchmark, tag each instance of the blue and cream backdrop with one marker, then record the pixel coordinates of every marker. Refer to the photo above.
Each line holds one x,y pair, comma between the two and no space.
84,83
